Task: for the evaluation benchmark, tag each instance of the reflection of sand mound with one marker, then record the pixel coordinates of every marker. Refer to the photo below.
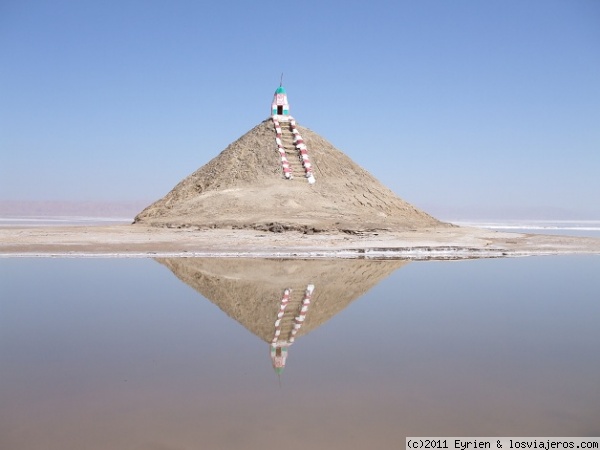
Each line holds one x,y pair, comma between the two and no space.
244,187
250,290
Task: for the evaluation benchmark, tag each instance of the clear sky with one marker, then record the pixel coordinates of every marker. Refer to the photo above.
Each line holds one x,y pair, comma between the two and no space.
458,106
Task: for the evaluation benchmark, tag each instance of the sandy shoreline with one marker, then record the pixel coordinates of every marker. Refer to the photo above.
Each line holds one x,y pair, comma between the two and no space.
142,241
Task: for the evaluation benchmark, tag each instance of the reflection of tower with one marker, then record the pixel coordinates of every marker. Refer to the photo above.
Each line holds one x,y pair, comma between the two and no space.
286,330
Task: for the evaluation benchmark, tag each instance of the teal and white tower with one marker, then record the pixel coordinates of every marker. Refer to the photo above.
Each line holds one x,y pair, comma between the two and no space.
280,105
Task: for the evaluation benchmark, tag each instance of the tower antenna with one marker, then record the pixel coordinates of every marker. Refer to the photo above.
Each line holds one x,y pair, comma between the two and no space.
281,80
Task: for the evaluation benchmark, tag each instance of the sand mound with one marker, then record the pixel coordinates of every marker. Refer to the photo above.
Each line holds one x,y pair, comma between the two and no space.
244,187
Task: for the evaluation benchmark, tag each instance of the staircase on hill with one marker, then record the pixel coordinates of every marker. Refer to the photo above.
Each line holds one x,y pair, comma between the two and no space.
292,149
292,154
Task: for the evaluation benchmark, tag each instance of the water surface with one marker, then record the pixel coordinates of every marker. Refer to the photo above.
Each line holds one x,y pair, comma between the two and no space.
175,354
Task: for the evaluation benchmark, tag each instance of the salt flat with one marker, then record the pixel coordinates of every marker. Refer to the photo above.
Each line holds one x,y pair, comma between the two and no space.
143,241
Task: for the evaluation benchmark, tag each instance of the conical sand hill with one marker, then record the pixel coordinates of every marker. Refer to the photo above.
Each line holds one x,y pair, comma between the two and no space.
244,187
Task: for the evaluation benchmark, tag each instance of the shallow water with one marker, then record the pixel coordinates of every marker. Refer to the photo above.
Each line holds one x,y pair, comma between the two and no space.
120,353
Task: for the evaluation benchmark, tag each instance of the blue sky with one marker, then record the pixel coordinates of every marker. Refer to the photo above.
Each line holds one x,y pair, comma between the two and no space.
461,107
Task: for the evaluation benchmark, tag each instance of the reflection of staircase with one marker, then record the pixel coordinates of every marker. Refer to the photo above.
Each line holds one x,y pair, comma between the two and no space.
293,309
295,302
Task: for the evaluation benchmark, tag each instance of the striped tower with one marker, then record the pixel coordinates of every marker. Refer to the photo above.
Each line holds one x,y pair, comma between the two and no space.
291,147
280,105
